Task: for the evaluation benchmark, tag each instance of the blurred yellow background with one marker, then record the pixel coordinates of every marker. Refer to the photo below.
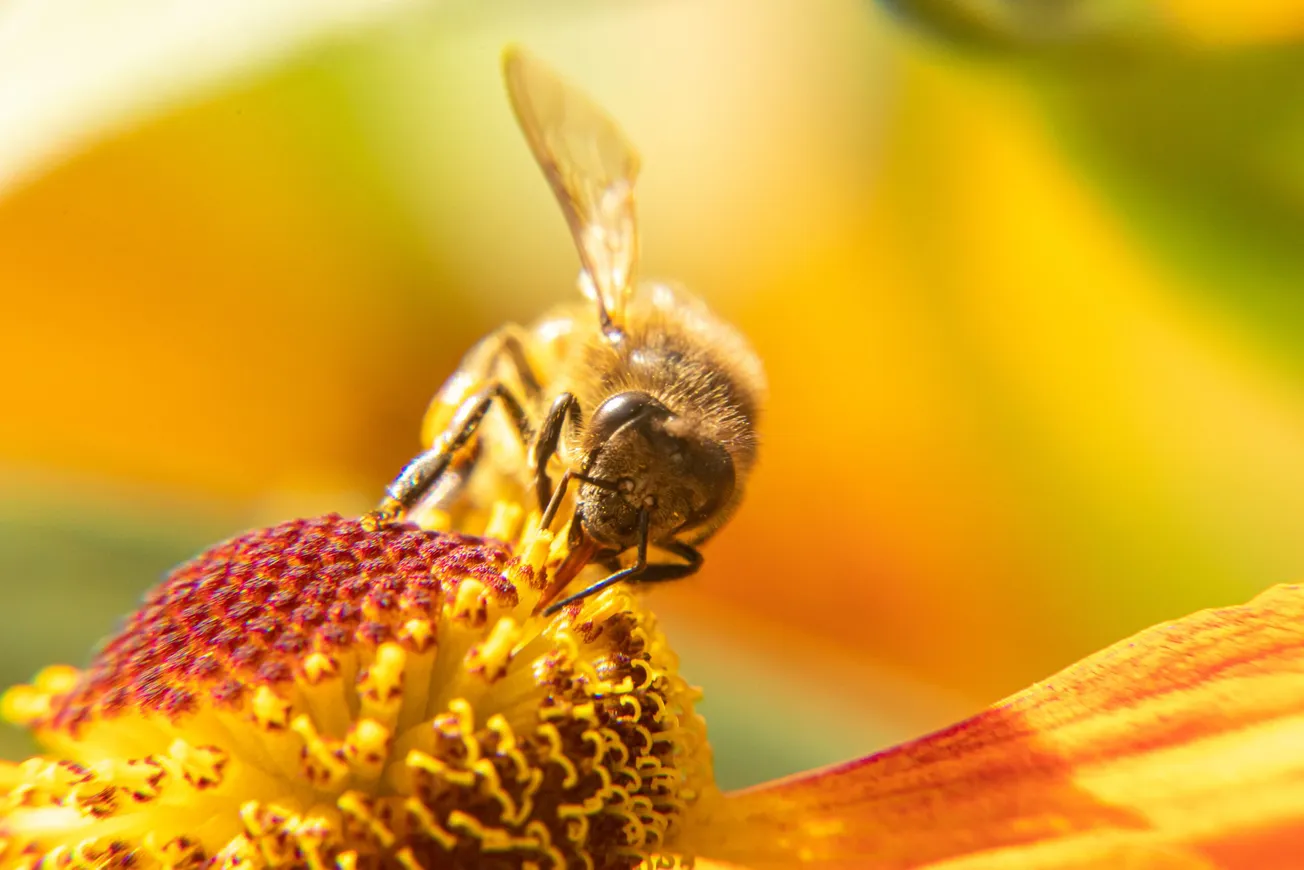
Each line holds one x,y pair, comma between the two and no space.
1030,309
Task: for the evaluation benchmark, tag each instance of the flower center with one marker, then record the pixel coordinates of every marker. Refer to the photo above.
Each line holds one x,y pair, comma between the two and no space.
315,694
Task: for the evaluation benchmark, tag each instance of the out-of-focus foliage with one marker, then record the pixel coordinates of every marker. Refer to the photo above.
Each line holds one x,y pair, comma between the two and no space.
1200,153
1186,114
1025,302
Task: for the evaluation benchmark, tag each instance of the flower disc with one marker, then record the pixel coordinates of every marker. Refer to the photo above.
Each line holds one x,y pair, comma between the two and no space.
317,694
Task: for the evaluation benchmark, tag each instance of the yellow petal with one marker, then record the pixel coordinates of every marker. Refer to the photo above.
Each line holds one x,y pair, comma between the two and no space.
1182,746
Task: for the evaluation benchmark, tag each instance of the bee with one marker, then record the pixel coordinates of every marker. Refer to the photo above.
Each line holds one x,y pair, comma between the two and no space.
634,410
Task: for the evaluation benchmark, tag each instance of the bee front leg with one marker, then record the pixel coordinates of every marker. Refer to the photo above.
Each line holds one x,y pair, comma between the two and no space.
641,571
640,565
662,572
423,472
564,407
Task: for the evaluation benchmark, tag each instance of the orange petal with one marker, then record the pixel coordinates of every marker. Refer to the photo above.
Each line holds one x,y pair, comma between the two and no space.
1182,746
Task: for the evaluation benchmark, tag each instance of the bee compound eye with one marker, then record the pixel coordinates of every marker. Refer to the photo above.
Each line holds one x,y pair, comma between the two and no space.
716,478
621,409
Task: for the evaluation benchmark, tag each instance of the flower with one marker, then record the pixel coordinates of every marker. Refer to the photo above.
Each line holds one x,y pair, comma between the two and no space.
318,694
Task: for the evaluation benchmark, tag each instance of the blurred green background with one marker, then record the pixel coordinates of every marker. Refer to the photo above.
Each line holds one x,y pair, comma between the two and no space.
1026,278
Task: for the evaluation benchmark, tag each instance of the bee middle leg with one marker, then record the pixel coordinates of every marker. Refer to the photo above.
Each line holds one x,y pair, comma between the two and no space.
511,344
423,472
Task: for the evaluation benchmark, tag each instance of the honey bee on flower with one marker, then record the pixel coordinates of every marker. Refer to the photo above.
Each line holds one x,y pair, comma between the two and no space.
364,694
634,413
325,693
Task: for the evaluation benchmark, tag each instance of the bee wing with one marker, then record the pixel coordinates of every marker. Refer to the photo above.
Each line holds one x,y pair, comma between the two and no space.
591,167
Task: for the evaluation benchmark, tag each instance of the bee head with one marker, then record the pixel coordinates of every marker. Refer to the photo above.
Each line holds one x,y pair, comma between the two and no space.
648,458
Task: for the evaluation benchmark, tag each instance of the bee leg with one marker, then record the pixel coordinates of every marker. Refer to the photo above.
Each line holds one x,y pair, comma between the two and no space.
555,500
661,572
641,572
555,497
511,344
423,472
564,407
640,565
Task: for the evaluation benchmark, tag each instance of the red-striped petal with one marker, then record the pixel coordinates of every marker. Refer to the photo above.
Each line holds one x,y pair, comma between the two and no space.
1180,747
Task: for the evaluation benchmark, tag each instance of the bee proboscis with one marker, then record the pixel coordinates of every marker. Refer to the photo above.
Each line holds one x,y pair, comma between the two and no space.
635,410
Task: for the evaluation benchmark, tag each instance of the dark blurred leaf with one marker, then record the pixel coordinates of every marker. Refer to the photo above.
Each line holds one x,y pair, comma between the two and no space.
1199,149
1203,156
1026,24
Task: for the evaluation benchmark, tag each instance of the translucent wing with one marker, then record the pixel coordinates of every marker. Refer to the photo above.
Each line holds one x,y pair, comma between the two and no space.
592,168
